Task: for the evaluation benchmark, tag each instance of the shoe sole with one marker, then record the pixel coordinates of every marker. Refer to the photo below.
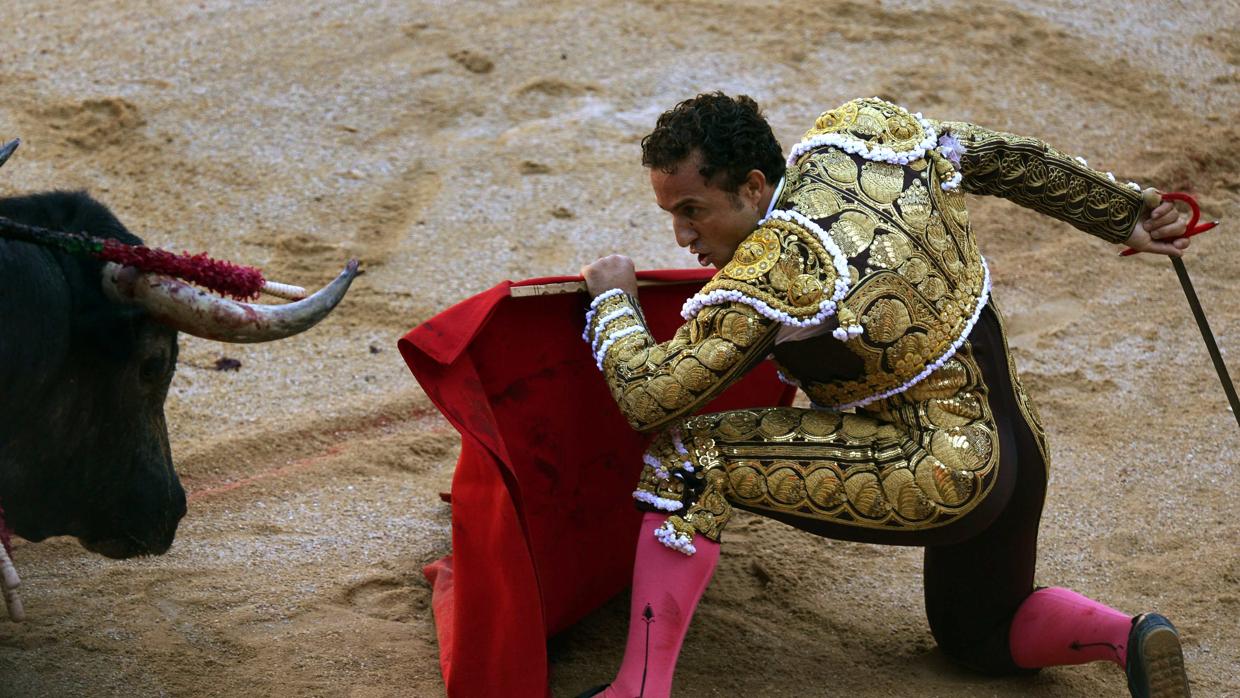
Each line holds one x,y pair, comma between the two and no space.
1164,665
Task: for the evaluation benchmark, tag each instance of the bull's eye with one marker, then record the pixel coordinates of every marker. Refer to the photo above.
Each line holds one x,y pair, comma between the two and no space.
152,369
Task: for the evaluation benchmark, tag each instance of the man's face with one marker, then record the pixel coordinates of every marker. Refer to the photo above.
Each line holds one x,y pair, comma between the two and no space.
709,221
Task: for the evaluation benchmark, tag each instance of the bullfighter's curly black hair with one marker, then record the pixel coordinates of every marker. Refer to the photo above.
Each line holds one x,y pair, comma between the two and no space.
730,132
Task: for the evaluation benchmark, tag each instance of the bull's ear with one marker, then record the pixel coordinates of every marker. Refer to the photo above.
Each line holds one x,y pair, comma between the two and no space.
8,149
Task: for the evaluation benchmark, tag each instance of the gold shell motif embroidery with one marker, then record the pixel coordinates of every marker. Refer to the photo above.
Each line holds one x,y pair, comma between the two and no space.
907,241
894,472
882,181
853,232
816,202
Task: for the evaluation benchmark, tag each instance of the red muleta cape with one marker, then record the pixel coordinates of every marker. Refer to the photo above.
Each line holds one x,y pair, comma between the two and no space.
543,522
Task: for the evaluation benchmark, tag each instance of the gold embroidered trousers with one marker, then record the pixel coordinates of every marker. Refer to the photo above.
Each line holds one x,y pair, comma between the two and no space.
907,469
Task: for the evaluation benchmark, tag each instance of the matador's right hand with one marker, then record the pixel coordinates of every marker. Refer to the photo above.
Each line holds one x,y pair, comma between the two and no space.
1157,225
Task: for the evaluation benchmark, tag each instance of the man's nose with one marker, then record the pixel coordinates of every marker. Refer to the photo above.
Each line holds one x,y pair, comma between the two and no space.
685,234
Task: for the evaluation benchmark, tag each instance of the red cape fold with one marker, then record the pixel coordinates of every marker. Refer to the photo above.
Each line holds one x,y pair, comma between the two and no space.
543,523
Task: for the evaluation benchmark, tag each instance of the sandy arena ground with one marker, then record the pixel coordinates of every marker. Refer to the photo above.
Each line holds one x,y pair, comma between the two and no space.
453,144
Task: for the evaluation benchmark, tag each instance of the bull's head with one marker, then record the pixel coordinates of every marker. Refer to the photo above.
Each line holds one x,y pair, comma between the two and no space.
83,443
153,501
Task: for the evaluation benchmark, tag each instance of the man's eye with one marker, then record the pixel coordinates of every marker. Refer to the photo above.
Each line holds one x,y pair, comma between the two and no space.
689,211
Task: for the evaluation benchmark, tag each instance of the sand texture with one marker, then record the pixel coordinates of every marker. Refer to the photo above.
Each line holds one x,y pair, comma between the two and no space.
450,145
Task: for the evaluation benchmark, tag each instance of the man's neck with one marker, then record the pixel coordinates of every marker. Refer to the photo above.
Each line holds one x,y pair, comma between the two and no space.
770,197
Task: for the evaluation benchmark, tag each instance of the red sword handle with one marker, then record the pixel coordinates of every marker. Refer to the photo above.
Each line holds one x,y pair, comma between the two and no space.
1194,226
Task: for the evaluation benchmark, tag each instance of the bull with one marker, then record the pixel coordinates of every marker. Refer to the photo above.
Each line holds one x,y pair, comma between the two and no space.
87,352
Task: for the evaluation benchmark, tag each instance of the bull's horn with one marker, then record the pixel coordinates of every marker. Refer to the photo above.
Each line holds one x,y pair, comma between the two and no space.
8,149
194,311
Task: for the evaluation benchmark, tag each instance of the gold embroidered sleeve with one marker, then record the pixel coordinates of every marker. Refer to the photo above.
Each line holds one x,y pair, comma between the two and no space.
1035,175
655,383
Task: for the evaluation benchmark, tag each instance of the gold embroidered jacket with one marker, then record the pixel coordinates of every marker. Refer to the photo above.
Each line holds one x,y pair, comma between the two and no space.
871,240
863,282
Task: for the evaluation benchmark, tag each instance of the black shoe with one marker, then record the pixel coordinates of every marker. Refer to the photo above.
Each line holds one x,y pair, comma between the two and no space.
1155,662
593,691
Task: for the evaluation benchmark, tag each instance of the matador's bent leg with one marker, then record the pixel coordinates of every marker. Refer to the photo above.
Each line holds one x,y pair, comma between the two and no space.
1001,625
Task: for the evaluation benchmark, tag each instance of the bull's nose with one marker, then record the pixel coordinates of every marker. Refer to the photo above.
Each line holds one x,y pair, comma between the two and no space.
178,503
122,548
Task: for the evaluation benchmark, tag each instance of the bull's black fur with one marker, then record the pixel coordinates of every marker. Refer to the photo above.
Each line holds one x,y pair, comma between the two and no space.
83,442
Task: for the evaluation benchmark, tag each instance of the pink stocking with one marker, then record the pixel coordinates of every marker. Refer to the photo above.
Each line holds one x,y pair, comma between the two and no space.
1055,626
666,587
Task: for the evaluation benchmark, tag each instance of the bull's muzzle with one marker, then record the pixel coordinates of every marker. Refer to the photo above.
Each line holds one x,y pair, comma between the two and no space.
197,312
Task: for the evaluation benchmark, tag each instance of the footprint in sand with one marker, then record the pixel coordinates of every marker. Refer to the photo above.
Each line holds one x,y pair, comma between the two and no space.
92,124
385,221
386,598
543,98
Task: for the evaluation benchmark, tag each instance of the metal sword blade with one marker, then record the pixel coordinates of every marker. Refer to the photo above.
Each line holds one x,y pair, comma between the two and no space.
1211,346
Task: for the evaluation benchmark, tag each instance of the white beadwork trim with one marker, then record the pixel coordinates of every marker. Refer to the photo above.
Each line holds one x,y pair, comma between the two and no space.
679,443
602,323
721,296
1081,160
846,333
667,535
601,354
656,501
1134,186
680,448
594,304
951,351
952,183
852,144
826,308
660,470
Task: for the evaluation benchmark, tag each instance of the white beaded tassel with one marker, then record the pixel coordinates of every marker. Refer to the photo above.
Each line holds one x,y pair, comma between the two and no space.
669,536
10,582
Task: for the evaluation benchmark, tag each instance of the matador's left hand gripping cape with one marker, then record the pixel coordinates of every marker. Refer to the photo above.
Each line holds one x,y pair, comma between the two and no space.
864,281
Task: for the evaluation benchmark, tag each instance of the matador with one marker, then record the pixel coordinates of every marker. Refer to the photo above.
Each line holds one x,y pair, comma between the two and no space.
851,263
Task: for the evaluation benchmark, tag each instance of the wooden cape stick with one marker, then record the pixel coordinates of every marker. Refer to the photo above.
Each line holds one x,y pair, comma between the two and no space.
563,287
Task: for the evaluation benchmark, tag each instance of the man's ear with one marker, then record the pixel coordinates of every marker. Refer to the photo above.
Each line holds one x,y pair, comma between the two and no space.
753,186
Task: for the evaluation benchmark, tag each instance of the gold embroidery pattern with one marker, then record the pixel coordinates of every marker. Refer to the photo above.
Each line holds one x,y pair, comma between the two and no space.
783,266
656,383
754,257
915,461
873,121
1029,172
919,274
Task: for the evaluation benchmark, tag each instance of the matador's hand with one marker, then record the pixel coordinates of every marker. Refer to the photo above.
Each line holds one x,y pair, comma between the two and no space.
1158,225
612,271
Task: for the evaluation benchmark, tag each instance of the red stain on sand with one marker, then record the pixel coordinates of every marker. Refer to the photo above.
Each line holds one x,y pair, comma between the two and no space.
296,465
